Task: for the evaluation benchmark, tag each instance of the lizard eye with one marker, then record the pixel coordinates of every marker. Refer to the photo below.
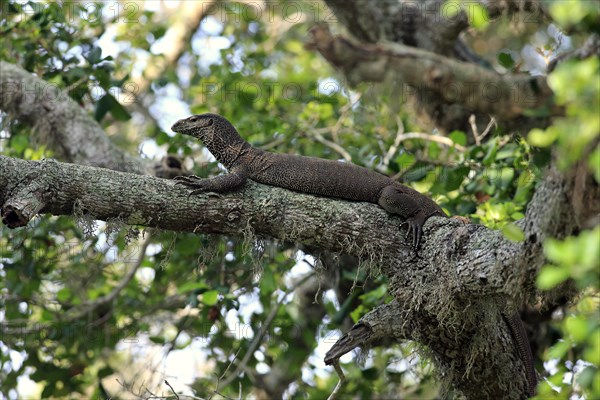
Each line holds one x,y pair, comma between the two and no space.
193,119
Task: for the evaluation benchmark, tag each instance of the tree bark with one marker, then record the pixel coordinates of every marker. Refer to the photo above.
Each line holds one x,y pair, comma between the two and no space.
59,122
451,299
416,48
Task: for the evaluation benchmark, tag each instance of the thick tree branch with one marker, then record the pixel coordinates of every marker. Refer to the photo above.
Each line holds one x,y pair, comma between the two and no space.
468,261
453,296
60,122
66,189
389,321
432,25
476,88
421,24
447,92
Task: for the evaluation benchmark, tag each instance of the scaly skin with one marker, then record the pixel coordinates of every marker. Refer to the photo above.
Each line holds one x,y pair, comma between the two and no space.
302,174
319,177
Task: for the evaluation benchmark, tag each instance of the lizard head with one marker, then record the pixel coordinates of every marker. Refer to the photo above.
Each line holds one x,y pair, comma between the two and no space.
200,126
217,134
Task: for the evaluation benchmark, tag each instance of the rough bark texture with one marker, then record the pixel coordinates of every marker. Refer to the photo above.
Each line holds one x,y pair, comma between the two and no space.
451,299
471,275
60,123
146,200
474,88
416,48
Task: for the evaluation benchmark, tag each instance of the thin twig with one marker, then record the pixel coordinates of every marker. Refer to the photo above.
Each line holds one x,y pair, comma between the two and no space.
432,138
394,148
474,129
488,128
334,131
257,339
332,145
274,143
89,306
344,111
152,395
172,390
125,281
338,388
478,138
219,378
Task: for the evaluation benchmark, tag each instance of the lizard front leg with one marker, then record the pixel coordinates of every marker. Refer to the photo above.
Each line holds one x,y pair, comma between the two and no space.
234,180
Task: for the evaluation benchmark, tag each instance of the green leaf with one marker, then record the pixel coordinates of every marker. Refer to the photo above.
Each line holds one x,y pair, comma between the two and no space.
540,138
506,60
210,298
478,15
517,215
559,349
104,372
93,56
374,295
19,143
577,327
513,233
162,138
455,178
458,137
370,374
157,339
418,172
490,156
267,282
357,313
109,103
48,391
587,377
63,295
550,276
568,13
524,185
117,110
405,161
102,107
592,353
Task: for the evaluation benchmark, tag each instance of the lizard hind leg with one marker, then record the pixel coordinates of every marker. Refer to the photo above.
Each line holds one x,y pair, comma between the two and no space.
397,201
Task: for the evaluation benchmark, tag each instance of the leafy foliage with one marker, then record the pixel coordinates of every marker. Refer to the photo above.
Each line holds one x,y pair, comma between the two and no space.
58,42
193,291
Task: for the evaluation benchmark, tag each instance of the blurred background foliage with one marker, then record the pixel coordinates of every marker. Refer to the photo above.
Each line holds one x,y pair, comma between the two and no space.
105,310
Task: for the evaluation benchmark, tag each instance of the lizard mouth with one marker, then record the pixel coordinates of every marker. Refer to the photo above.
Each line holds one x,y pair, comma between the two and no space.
183,126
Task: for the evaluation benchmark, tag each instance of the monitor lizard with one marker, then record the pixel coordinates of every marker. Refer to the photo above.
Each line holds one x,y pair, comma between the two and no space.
319,177
302,174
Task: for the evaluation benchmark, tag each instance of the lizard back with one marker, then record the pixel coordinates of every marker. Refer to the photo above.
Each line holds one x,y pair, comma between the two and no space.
315,175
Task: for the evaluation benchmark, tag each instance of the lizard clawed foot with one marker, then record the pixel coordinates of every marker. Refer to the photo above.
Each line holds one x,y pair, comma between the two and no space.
415,227
193,182
188,180
196,183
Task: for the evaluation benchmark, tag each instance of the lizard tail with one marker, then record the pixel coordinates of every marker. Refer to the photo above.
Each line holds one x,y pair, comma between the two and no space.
517,329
